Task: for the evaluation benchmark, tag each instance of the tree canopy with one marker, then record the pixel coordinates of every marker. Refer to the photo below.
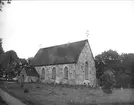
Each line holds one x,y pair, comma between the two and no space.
1,48
3,2
8,61
122,66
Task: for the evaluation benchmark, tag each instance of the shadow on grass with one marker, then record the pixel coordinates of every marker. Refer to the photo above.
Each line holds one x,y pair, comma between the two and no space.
66,85
29,102
78,103
22,99
2,102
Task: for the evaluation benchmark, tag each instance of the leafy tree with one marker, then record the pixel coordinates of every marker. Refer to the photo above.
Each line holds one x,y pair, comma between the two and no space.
127,60
23,62
108,80
3,2
99,68
122,65
30,60
1,52
8,62
1,48
127,72
107,59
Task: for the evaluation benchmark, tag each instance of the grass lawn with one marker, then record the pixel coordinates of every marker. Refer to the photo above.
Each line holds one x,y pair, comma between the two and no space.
50,94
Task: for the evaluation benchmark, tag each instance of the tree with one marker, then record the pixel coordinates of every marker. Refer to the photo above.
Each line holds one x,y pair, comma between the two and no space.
108,80
8,62
1,52
3,2
127,73
122,66
1,48
99,68
107,59
30,60
23,62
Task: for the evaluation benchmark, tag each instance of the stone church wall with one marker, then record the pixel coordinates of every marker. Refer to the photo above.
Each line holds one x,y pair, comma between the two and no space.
86,56
59,73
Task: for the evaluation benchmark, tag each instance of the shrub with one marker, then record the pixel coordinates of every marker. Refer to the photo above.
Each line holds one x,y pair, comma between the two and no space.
108,81
2,101
26,90
107,91
80,103
37,86
29,102
22,85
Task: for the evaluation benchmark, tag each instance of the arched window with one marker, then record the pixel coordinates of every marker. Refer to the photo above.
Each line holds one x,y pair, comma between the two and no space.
22,78
43,74
54,73
65,73
86,70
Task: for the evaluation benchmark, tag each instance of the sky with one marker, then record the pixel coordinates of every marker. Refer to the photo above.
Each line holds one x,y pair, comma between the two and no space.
27,26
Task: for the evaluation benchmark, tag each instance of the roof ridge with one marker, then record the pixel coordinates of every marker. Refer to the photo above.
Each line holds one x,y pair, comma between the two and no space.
63,44
58,54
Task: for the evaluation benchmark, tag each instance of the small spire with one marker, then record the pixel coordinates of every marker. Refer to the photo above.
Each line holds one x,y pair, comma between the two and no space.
68,43
87,34
40,45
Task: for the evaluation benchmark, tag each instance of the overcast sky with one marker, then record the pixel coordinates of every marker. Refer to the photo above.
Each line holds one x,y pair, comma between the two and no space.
26,26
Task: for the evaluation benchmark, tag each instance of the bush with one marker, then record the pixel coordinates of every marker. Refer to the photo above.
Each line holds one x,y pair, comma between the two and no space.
37,86
107,91
80,103
108,81
29,102
107,88
22,85
2,101
26,90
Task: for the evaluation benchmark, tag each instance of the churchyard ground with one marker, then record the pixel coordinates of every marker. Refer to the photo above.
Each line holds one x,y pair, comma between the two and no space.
53,94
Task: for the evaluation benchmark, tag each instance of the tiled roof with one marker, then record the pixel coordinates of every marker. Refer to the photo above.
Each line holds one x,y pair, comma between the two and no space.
61,54
31,72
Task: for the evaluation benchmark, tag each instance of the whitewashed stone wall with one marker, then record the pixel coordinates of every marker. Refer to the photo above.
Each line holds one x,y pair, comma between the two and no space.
26,78
59,73
86,55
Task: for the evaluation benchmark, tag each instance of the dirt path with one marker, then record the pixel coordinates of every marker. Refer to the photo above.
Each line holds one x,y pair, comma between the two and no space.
9,99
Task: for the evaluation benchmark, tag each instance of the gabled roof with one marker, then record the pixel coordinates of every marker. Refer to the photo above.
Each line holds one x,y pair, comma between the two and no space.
31,72
61,54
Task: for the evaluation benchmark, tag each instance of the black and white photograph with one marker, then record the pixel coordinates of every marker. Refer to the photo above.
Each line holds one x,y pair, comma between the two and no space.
66,52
